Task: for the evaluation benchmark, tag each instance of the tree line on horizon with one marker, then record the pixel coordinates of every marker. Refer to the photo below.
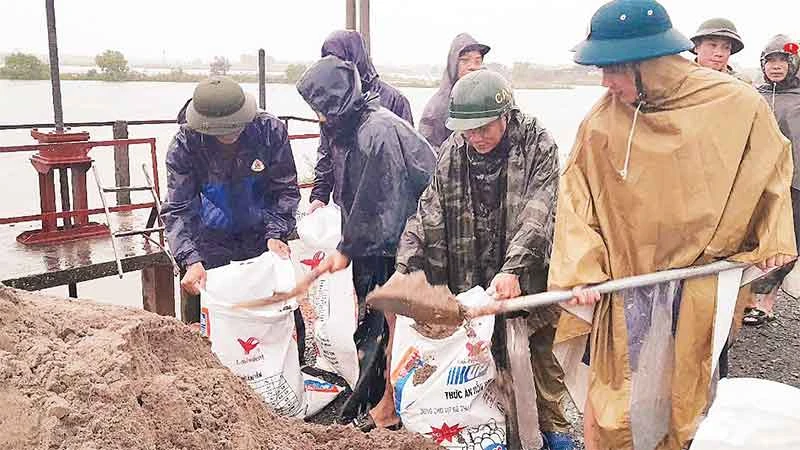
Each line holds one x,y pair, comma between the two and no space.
113,66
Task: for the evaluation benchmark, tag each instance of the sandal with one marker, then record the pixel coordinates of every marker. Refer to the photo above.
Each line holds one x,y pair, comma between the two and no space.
757,317
365,423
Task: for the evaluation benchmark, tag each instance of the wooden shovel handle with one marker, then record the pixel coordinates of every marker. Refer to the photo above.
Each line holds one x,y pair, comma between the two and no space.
300,288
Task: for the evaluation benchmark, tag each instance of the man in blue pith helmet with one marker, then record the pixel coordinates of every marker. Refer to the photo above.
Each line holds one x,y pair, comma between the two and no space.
675,166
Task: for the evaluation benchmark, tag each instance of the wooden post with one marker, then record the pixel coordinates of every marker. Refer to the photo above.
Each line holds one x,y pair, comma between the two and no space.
158,290
363,23
122,171
350,15
190,307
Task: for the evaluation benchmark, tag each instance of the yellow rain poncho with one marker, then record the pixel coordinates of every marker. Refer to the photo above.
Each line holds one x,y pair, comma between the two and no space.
708,178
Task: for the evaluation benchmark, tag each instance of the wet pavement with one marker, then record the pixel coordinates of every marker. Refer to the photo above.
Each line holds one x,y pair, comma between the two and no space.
40,266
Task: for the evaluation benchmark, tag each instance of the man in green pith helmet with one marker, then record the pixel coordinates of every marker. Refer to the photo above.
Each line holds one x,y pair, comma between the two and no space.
487,220
715,41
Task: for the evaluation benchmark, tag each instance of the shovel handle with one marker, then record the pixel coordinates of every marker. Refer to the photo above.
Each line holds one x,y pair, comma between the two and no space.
302,286
551,297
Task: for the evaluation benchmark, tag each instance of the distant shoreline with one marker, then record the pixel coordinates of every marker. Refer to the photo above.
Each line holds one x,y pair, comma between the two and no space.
184,77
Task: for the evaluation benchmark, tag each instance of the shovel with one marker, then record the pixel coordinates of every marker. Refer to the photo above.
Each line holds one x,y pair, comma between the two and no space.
412,296
300,288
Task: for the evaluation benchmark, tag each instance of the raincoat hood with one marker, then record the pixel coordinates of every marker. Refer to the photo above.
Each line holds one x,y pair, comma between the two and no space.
332,87
784,99
348,45
776,45
435,113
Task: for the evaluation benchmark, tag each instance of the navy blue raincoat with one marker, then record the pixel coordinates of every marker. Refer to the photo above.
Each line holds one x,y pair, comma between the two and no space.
221,208
348,45
385,163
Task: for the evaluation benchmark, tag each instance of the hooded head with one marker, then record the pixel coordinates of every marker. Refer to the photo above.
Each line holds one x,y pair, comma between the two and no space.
332,88
435,114
348,45
462,44
781,48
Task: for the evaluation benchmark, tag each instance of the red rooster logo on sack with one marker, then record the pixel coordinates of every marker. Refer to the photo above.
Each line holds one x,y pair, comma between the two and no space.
314,261
248,345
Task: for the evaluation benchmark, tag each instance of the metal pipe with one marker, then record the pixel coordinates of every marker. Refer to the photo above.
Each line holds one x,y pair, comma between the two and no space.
650,279
350,15
262,79
363,23
26,126
108,219
157,205
79,212
55,77
63,181
122,161
154,162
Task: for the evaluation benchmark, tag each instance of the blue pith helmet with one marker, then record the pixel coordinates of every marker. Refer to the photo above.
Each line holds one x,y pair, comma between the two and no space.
624,31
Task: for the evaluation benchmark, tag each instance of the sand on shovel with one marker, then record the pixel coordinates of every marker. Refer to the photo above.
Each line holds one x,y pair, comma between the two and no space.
78,375
412,296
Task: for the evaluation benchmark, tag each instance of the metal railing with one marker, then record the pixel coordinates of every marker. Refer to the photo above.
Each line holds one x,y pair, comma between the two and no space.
121,160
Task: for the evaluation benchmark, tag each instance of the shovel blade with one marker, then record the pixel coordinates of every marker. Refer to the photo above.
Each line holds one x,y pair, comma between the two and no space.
412,296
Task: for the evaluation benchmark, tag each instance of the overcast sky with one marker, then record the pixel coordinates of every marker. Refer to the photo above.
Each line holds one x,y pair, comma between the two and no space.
403,31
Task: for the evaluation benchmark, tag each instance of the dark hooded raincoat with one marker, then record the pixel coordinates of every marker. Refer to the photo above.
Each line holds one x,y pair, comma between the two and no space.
784,99
386,165
348,45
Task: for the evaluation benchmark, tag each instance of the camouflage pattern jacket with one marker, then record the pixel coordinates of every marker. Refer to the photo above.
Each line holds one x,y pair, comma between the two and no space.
440,237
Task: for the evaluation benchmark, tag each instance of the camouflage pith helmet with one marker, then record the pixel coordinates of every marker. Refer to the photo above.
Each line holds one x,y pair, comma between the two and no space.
477,99
719,27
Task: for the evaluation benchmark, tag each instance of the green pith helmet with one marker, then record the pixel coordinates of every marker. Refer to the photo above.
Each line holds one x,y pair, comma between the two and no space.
719,27
220,107
477,99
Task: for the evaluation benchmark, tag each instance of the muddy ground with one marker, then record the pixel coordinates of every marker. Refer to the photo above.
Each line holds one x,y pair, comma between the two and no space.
75,375
772,350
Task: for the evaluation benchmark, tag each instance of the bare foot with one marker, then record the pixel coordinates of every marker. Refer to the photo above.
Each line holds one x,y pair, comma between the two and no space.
384,414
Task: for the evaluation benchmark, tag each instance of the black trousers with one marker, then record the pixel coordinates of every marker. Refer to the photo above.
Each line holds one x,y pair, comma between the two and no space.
370,337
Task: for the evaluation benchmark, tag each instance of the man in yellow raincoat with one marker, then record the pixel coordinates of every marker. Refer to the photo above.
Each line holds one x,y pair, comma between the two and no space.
675,166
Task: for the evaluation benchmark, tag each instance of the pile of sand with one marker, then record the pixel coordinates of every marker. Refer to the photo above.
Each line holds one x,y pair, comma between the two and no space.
83,376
